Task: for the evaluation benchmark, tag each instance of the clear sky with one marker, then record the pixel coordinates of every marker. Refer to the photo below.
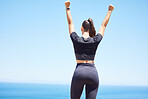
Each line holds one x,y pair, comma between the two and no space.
35,45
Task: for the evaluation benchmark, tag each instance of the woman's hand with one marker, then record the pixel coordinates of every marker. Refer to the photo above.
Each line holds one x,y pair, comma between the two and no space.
67,4
110,8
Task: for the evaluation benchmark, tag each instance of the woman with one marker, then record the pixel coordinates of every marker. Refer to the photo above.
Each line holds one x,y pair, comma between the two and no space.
85,48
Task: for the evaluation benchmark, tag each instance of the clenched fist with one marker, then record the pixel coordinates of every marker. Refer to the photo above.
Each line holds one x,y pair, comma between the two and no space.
111,7
67,4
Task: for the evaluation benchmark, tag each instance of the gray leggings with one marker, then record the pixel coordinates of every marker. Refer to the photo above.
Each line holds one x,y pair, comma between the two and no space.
85,74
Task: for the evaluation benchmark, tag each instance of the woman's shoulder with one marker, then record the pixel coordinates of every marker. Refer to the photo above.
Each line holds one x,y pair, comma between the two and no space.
98,37
74,36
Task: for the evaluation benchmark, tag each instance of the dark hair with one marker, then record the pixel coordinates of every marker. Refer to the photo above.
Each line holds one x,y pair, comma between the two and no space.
89,25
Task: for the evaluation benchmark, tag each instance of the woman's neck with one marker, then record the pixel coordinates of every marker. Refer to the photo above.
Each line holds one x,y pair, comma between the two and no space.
85,35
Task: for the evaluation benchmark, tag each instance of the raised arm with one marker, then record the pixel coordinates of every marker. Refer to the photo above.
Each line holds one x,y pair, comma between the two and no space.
69,17
106,19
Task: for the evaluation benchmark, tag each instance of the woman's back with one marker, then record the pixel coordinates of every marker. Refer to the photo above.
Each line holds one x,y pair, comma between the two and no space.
85,48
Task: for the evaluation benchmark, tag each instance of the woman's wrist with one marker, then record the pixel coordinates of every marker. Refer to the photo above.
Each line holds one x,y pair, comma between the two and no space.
67,8
109,11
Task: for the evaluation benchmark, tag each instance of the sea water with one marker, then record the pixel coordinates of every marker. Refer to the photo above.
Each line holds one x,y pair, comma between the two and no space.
52,91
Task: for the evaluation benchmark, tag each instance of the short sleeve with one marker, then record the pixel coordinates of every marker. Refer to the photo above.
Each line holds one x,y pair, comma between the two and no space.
98,37
74,36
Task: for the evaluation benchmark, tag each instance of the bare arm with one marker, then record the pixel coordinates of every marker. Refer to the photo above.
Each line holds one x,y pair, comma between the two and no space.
106,19
69,17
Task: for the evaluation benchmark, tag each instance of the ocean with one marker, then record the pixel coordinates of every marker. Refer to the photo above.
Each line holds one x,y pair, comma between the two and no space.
51,91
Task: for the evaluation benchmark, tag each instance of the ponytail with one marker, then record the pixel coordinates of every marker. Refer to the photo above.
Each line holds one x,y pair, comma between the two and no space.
92,31
89,25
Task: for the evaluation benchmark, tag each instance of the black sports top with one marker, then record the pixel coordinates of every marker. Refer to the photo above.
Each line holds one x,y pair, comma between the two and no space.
85,49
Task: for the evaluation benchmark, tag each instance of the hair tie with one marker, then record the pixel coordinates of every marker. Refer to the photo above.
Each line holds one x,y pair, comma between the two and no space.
89,22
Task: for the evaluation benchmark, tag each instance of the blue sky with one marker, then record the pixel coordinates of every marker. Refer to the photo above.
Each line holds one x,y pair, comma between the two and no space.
35,45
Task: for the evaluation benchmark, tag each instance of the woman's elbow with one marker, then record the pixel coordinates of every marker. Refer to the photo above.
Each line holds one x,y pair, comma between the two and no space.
104,24
69,22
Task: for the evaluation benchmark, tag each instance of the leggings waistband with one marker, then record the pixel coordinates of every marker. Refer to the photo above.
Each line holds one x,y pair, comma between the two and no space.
85,64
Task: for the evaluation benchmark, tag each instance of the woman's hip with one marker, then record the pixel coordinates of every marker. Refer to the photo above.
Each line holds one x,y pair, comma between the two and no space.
86,72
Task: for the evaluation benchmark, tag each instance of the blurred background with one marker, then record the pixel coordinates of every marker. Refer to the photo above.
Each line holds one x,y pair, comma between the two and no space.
35,46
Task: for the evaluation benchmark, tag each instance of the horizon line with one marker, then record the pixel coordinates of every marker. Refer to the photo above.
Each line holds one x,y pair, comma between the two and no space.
47,83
